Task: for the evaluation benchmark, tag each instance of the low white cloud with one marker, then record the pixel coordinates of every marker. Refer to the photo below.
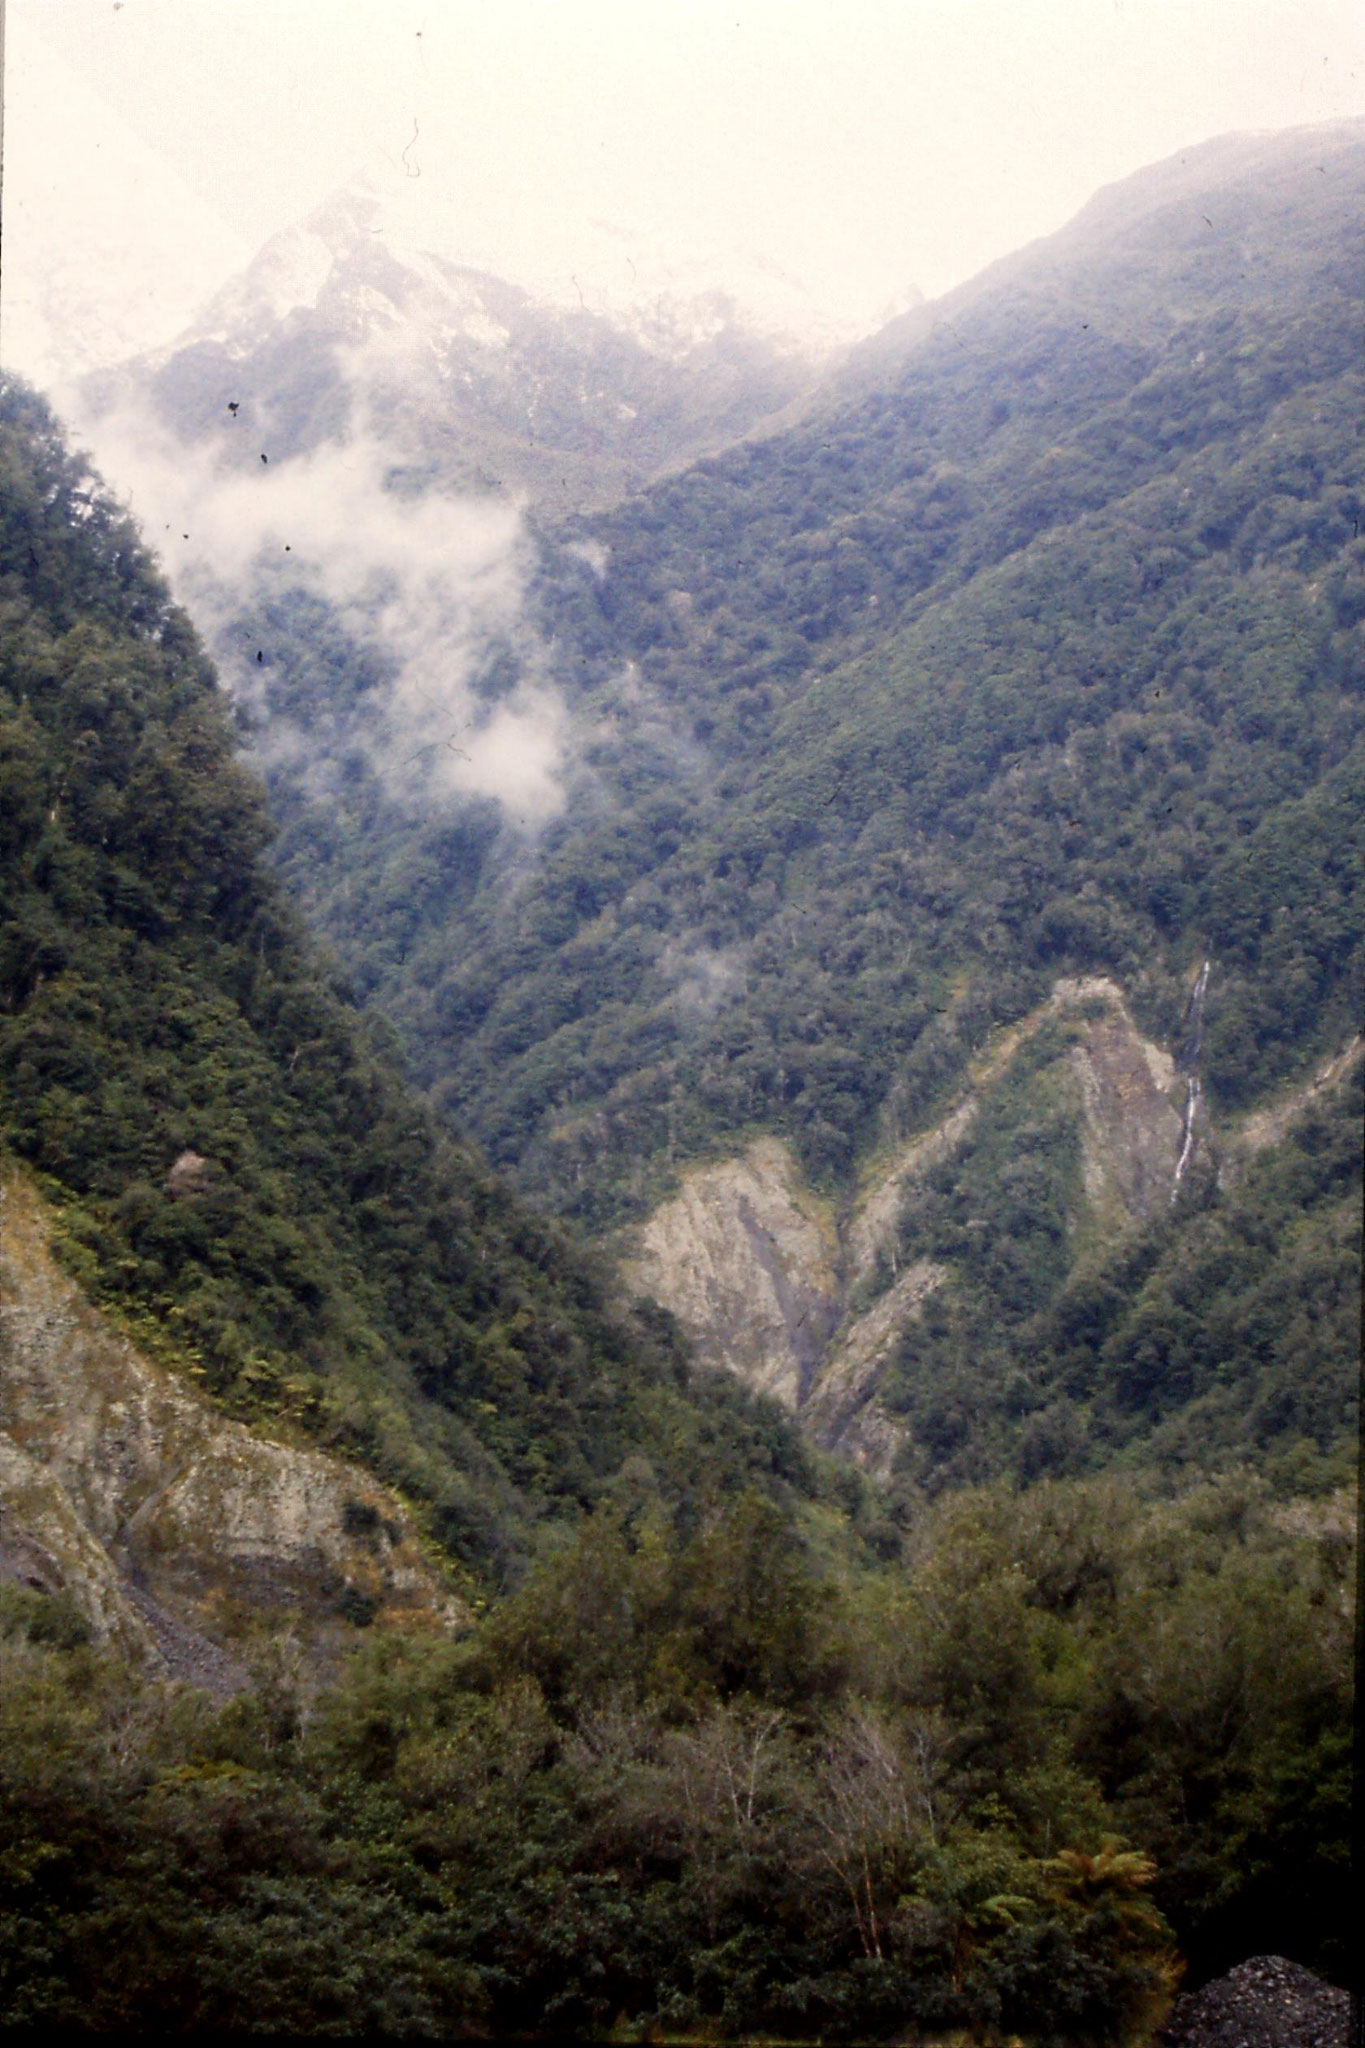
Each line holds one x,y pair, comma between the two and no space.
594,552
705,978
516,755
433,582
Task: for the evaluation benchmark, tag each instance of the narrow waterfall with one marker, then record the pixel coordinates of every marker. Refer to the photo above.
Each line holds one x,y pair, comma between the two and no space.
1194,1039
1191,1109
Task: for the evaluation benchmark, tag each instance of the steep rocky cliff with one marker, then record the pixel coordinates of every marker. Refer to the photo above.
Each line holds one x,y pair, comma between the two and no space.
175,1532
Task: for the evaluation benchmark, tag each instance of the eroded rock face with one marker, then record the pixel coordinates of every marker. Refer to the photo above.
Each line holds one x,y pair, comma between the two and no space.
812,1311
1132,1132
874,1227
841,1412
1265,1127
45,1546
747,1262
766,1286
176,1531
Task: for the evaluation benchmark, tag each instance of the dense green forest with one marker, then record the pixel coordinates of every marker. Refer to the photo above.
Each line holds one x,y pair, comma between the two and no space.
732,1757
716,1787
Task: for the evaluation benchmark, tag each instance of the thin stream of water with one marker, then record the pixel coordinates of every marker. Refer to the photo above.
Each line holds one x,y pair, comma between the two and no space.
1194,1041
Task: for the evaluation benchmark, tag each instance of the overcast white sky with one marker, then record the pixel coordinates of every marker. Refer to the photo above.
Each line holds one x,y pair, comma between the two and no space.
863,145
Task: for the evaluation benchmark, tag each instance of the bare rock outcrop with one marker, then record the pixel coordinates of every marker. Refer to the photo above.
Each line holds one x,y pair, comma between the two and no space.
874,1227
747,1261
45,1546
840,1412
1266,1127
176,1531
1132,1131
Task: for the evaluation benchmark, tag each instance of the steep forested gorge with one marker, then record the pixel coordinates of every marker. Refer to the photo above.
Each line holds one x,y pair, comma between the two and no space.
1032,653
922,754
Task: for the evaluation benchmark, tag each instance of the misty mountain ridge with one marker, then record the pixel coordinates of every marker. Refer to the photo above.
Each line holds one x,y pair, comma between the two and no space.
671,305
563,386
362,422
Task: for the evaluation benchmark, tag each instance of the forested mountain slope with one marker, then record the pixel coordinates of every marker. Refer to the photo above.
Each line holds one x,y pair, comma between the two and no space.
894,1011
136,1516
1034,655
240,1172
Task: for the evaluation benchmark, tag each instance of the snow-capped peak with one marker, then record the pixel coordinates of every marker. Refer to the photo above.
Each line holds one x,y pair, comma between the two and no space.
375,243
